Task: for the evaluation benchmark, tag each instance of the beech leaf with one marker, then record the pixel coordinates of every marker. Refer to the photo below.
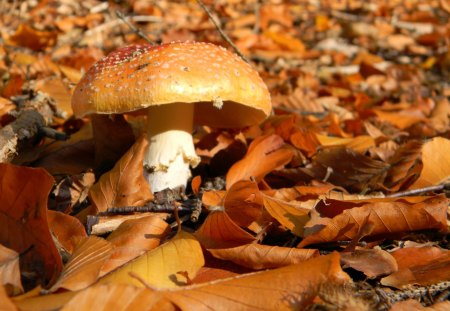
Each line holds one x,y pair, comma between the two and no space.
23,215
160,267
436,163
264,154
387,216
256,256
125,184
10,270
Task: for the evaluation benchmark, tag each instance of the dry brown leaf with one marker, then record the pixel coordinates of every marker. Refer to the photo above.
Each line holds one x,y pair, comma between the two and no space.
387,217
288,288
125,184
119,297
400,119
58,91
419,265
436,163
34,39
291,215
264,154
372,262
68,230
84,266
160,267
5,301
348,168
243,202
359,143
132,238
213,198
219,231
286,41
10,270
23,215
257,256
402,164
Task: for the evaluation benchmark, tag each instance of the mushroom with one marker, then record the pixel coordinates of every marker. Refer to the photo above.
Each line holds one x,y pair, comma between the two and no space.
179,84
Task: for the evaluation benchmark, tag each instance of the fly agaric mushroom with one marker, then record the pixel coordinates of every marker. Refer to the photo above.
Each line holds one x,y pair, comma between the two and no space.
179,84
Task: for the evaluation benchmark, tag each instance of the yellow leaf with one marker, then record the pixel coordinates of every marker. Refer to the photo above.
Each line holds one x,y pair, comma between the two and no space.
160,266
288,214
286,41
436,163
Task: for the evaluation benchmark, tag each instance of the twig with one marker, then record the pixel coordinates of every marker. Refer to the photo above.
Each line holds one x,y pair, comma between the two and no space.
418,191
25,127
222,33
52,133
135,29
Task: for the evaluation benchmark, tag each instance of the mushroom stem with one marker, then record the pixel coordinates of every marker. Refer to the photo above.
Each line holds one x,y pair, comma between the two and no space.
171,149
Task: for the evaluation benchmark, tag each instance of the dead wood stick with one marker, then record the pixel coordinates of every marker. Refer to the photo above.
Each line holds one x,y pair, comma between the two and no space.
136,30
418,191
26,126
222,33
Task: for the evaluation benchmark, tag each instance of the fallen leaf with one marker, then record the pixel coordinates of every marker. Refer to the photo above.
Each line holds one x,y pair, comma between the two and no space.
243,203
5,301
387,216
23,215
134,237
119,297
436,163
125,184
160,267
348,168
257,256
34,39
219,231
84,266
292,216
287,288
10,270
264,154
372,262
68,230
419,265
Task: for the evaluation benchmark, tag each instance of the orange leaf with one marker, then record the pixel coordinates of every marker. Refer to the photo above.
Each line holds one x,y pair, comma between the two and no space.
125,184
256,256
23,215
264,154
372,262
424,265
83,267
292,216
243,202
219,231
67,229
10,270
134,237
436,163
387,216
287,288
34,39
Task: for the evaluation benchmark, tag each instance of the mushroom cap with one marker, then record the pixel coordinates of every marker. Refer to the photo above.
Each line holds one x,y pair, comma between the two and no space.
226,91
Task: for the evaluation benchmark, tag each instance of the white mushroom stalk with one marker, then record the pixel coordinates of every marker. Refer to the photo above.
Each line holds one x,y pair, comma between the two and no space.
171,150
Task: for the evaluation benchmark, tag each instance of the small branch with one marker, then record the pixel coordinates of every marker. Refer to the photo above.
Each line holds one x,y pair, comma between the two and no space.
222,33
25,127
136,30
419,191
52,133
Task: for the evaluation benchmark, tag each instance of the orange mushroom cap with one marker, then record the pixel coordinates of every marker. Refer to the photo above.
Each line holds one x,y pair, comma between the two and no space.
226,91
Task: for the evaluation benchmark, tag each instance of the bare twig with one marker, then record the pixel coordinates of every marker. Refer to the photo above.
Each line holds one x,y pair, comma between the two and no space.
26,126
134,28
418,191
222,33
